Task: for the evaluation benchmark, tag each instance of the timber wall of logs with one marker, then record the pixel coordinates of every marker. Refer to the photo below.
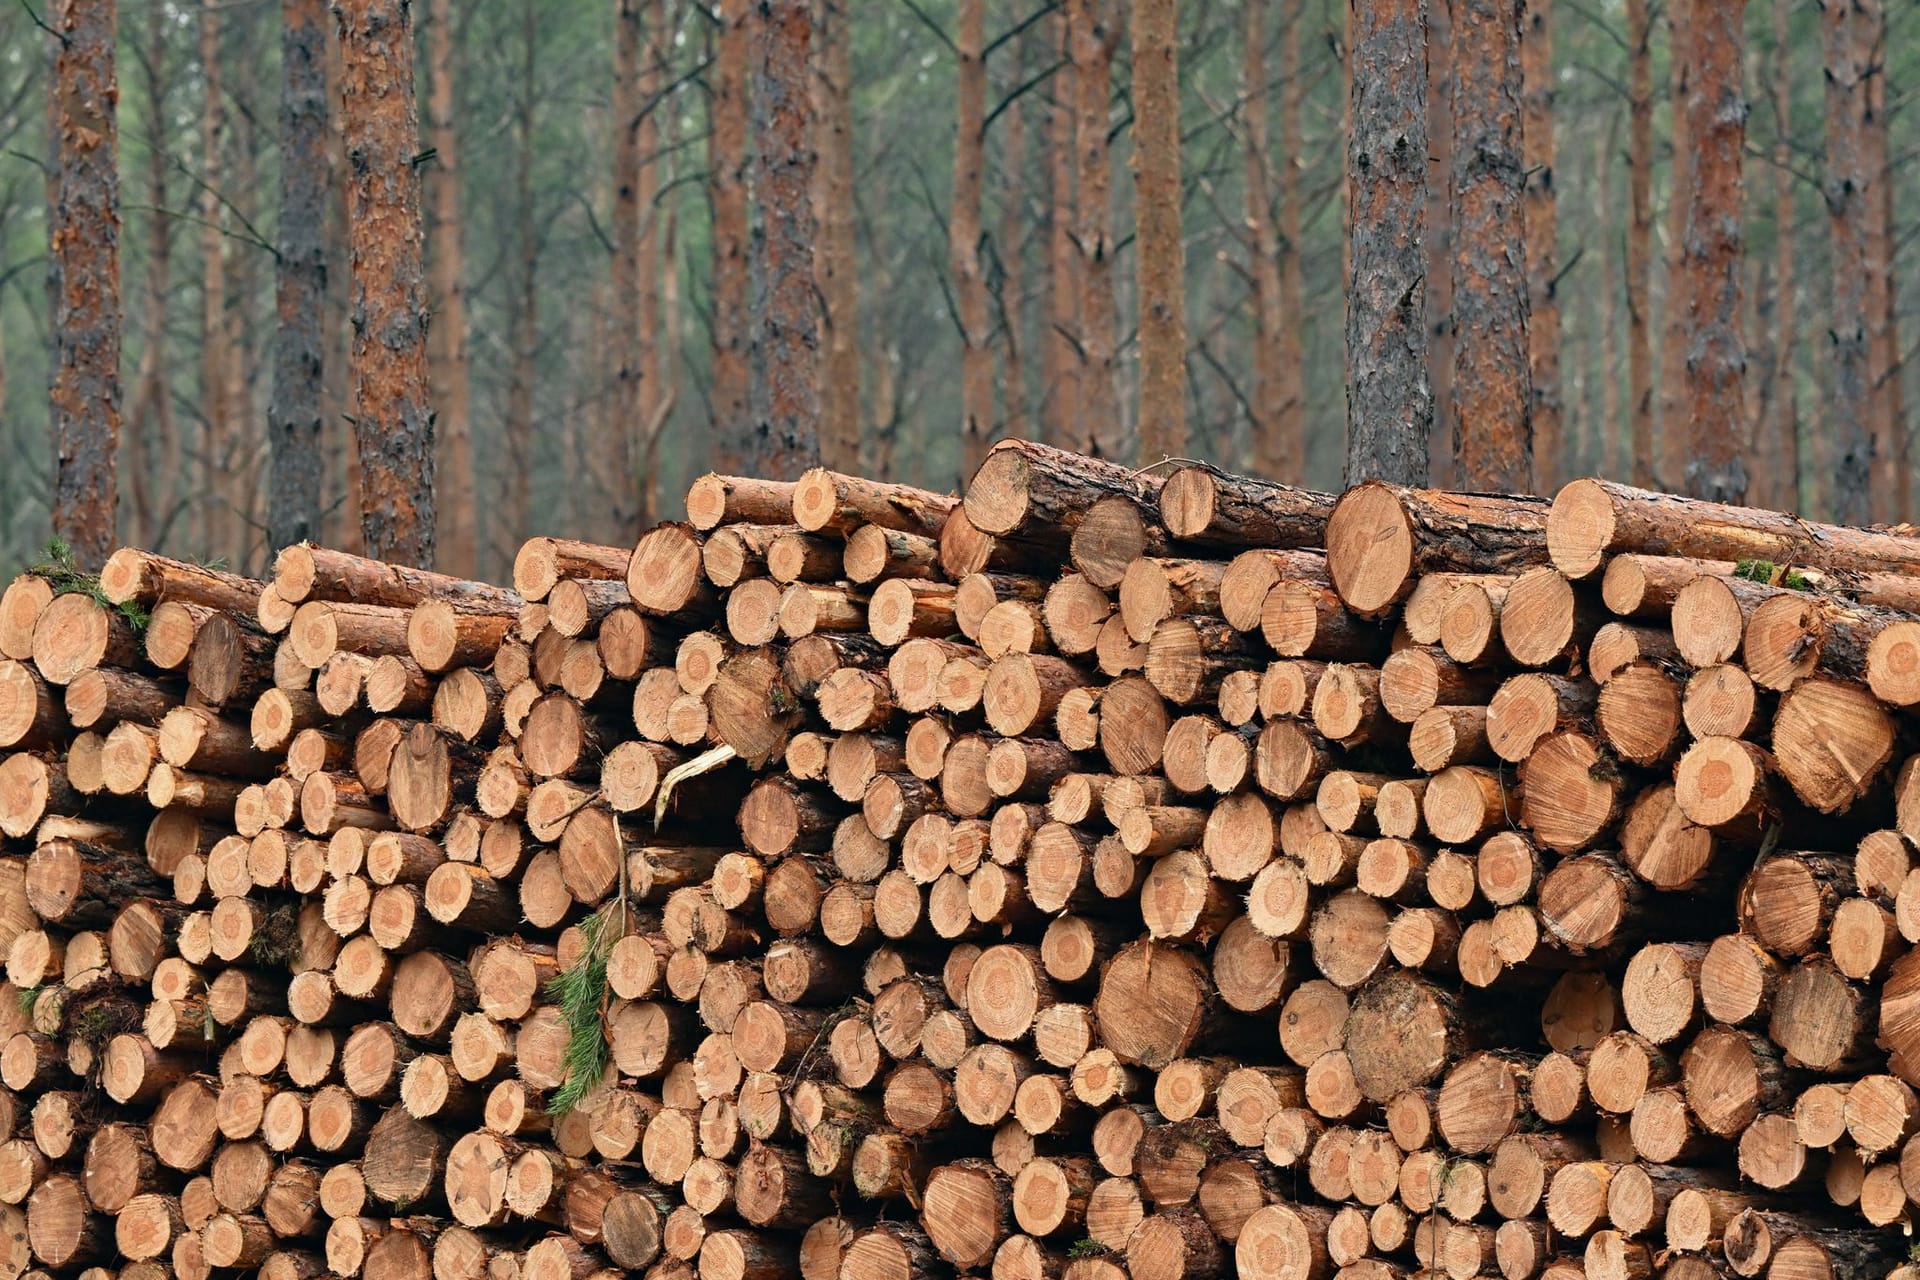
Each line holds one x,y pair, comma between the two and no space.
1166,875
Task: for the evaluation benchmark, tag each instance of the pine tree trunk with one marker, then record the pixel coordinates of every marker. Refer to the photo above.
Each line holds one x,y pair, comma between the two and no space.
152,448
616,462
296,473
1059,351
393,423
1670,462
1439,318
835,258
1492,381
85,233
342,514
456,541
1715,249
1607,451
1160,253
963,236
1389,401
1640,240
1094,34
727,189
1550,451
240,473
1781,453
646,279
517,470
1293,289
1015,412
1264,408
216,441
1888,472
786,311
1849,29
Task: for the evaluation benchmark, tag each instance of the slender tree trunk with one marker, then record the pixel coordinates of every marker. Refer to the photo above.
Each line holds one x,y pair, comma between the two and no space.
393,424
1094,36
341,517
1671,452
85,244
786,308
1272,456
1640,240
727,189
1011,257
218,530
1608,450
1439,317
617,464
1715,247
296,472
1060,371
646,279
456,541
1543,305
1389,400
963,236
1782,463
1894,365
1161,254
241,472
517,473
1293,289
1492,380
1889,451
152,447
1849,28
835,255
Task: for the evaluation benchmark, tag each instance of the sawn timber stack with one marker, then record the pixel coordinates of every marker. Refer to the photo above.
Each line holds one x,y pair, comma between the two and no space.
1115,873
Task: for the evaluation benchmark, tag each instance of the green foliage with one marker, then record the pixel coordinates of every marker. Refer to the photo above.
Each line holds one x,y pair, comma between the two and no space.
1087,1248
1773,575
27,997
58,567
581,993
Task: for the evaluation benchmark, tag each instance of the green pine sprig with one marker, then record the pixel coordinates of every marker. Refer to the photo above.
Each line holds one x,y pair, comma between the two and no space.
580,991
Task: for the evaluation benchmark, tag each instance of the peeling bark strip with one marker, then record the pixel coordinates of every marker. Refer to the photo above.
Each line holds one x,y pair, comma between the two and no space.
84,242
393,427
1162,256
786,333
296,479
1389,401
1715,248
1849,27
1492,377
727,189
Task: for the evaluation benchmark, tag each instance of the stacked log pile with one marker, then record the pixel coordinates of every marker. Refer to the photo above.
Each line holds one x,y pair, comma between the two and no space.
1111,874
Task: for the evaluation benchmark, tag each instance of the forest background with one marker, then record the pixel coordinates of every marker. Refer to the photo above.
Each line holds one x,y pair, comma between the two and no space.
531,294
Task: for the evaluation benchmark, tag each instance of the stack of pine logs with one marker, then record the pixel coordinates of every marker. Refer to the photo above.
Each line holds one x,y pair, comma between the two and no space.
1113,874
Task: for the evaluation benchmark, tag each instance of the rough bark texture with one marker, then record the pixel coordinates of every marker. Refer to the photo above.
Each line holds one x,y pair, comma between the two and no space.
1550,448
1293,288
1275,455
1160,255
1094,34
727,189
1010,252
963,236
1780,465
1848,26
456,541
393,426
1059,354
296,482
1715,248
1439,287
786,312
834,259
1640,238
615,451
1889,450
216,435
1492,380
152,446
84,242
1389,400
